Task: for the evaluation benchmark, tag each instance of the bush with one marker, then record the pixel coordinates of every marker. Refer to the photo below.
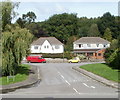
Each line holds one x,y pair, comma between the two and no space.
66,55
114,59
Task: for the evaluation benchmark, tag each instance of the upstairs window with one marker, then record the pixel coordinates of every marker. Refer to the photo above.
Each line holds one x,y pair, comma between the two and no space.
105,45
80,45
57,47
97,45
47,46
35,47
88,45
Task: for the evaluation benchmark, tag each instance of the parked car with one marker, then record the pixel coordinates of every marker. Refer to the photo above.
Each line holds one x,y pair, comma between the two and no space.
74,60
38,59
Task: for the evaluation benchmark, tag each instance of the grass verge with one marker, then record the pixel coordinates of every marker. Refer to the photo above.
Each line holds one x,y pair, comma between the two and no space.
21,75
103,70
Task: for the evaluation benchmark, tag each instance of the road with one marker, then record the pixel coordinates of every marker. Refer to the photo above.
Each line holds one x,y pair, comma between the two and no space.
59,80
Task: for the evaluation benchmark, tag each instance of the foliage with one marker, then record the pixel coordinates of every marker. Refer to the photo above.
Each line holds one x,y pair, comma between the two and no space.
108,35
22,74
26,19
61,26
112,54
81,56
8,12
14,47
111,22
84,25
36,29
103,70
93,31
61,55
112,59
69,44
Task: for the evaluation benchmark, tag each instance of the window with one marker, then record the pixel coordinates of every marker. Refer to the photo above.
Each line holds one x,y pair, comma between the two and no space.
46,46
104,45
80,45
99,54
89,54
35,47
88,45
97,45
57,47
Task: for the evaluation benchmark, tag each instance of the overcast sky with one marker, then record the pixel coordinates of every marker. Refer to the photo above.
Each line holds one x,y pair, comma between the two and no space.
44,10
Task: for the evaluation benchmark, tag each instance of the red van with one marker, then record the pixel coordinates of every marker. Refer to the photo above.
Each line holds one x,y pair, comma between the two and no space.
38,59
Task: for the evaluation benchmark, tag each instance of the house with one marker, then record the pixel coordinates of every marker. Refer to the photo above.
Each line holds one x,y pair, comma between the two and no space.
92,47
47,45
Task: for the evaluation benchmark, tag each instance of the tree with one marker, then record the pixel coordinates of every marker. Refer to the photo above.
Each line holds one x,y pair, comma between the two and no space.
69,44
111,22
8,12
61,26
107,35
93,31
112,54
26,19
15,46
36,29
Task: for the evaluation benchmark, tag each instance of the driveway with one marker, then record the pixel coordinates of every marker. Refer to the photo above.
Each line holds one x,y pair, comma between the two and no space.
59,80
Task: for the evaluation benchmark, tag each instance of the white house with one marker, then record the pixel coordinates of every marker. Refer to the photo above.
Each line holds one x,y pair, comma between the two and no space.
47,45
91,46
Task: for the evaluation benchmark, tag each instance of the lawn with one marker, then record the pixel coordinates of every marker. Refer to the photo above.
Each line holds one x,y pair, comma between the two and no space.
21,75
103,70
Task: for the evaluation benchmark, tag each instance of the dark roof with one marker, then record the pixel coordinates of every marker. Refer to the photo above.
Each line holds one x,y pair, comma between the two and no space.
51,40
90,40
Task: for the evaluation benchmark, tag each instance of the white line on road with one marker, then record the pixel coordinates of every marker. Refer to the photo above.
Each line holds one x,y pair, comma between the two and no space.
76,90
64,78
67,82
85,84
88,86
92,87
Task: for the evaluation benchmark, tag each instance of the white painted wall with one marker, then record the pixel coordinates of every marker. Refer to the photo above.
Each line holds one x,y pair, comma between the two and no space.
92,46
46,47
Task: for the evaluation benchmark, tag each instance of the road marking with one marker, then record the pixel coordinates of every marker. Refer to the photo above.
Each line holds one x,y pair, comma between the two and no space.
67,82
85,84
76,91
64,78
92,87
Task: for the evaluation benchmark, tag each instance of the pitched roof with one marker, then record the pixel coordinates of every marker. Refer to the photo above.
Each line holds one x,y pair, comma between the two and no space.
52,41
90,40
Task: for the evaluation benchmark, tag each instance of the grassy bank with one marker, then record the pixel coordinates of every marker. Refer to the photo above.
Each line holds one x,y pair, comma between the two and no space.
21,75
103,70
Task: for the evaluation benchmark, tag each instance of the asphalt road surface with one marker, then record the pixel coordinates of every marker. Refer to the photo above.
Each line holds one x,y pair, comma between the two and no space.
59,80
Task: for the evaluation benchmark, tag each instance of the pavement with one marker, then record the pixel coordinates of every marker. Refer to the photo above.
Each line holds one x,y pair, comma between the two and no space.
33,78
59,80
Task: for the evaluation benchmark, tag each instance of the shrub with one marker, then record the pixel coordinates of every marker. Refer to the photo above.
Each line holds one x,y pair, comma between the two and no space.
61,55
